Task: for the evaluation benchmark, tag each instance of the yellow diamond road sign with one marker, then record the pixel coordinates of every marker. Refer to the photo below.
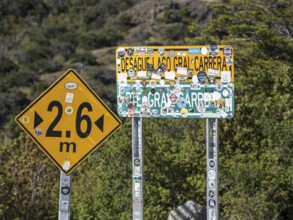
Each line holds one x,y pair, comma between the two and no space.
68,121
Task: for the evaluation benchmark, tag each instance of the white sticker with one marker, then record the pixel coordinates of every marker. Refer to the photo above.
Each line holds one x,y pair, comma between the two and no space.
212,184
213,72
155,76
162,82
194,79
69,110
66,165
140,49
69,97
118,61
141,73
207,97
64,205
182,70
136,170
212,215
144,99
122,78
212,174
181,53
216,95
137,213
170,75
136,194
226,76
136,186
228,103
204,50
137,84
225,92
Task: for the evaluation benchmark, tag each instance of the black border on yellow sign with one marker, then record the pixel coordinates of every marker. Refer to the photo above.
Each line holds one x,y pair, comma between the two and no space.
17,120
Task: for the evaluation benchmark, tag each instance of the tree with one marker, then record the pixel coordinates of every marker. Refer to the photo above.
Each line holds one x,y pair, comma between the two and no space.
256,158
29,182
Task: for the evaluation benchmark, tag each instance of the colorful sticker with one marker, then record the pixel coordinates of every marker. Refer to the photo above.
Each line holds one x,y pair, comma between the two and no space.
69,97
25,119
38,131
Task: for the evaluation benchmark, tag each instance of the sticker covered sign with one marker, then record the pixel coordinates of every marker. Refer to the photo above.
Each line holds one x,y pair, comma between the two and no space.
175,81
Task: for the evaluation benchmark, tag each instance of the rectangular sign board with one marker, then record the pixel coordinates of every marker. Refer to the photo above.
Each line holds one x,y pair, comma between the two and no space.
175,81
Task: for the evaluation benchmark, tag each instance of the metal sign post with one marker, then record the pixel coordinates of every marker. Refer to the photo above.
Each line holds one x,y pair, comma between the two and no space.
137,169
64,196
212,169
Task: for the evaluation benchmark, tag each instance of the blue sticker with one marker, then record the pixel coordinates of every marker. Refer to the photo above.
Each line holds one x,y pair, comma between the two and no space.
194,51
181,102
201,76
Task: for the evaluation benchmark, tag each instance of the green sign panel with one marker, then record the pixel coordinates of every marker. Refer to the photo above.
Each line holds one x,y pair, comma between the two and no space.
175,81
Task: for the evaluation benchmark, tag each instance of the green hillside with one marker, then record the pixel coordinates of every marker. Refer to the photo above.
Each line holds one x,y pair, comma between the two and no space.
41,39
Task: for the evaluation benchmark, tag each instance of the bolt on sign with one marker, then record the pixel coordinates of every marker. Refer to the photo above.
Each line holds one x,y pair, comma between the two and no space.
175,81
68,121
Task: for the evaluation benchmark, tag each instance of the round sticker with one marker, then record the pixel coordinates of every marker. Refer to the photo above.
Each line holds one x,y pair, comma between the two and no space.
201,76
121,52
171,54
190,72
213,50
38,131
181,102
211,193
161,51
122,89
211,184
227,51
69,110
212,163
118,61
25,119
184,112
219,86
225,93
136,161
130,51
65,190
153,83
173,98
65,180
212,174
164,111
131,73
212,79
212,203
204,50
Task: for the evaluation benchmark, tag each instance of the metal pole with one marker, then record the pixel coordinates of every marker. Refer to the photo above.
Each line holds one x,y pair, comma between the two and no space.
212,169
137,169
64,196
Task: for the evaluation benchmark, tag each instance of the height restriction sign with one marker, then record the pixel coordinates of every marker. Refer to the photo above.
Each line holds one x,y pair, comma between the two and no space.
68,121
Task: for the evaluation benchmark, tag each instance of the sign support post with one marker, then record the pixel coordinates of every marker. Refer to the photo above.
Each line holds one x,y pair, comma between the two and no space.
64,196
212,169
137,169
